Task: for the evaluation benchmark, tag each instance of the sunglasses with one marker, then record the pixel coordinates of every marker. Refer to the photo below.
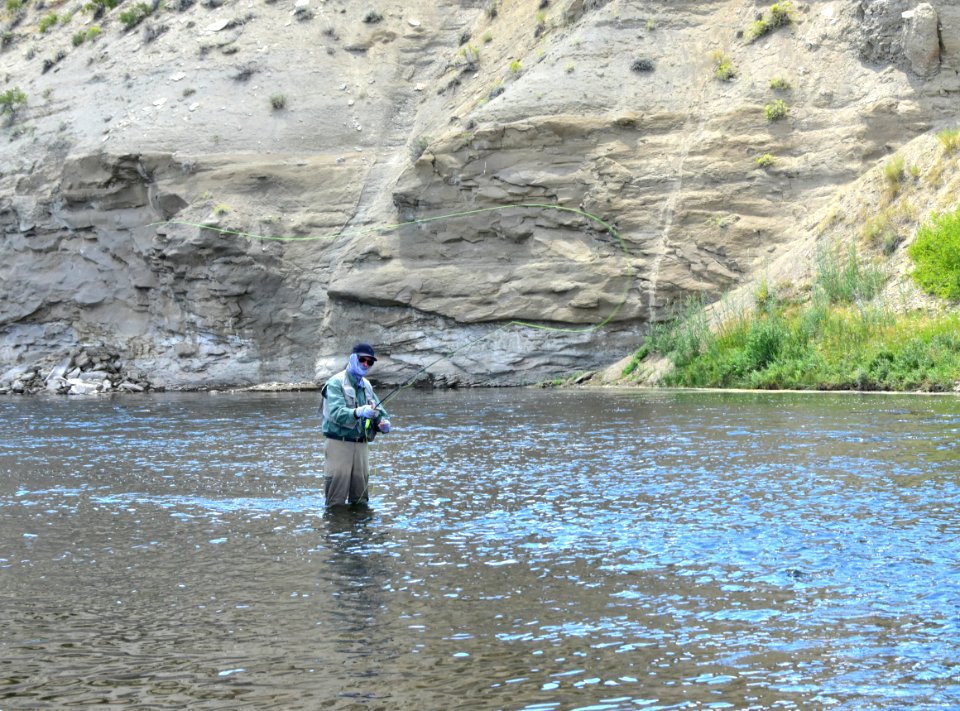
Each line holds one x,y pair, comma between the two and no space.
366,360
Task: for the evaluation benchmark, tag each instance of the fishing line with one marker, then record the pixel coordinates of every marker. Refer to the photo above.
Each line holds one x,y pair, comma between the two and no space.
607,227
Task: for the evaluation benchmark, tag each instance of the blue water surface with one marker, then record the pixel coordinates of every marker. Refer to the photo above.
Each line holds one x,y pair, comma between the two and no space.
524,549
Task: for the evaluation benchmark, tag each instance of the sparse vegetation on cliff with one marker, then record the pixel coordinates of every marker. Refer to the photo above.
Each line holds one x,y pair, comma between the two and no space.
779,15
765,160
135,15
46,22
776,111
950,140
10,100
780,84
723,66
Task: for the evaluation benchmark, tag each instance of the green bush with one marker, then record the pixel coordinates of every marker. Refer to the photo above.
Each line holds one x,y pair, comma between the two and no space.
47,21
642,64
765,161
469,54
776,111
278,101
11,99
781,14
758,29
135,15
936,256
98,7
723,67
79,38
765,340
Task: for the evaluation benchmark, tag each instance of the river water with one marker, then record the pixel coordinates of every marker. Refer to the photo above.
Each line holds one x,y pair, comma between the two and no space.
525,549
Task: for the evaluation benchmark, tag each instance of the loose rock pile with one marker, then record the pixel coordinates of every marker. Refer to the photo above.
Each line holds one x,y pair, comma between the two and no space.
87,371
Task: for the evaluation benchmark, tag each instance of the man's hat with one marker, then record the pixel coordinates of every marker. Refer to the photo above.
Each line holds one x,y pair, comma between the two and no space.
364,349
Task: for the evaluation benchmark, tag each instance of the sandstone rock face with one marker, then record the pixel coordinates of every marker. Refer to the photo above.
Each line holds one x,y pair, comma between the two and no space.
237,198
922,39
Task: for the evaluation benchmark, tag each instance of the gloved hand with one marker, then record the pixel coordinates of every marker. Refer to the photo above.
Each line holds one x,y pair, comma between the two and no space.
384,426
368,411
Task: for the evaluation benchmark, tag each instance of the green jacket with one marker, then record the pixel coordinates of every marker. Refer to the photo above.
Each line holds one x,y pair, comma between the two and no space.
339,402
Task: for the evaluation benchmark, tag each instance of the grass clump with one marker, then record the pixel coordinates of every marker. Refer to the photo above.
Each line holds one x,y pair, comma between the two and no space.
418,147
840,338
99,7
949,139
278,101
893,170
642,64
846,279
470,54
894,174
776,111
881,233
780,84
135,15
47,21
723,69
516,67
936,256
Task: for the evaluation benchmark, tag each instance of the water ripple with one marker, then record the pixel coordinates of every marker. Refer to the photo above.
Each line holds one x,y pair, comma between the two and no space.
524,550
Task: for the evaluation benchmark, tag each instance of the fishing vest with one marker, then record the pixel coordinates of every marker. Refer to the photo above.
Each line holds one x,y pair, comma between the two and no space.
350,399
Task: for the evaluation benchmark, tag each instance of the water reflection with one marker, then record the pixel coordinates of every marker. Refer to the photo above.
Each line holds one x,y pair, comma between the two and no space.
523,550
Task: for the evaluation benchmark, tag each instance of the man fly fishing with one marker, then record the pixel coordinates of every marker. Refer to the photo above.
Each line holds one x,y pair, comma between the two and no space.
352,417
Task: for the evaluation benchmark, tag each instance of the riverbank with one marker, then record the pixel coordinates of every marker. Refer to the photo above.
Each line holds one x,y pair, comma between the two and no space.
96,370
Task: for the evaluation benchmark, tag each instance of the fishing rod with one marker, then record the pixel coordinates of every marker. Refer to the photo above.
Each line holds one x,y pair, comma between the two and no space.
607,227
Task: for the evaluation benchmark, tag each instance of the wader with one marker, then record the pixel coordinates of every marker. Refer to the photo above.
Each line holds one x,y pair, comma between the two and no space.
347,472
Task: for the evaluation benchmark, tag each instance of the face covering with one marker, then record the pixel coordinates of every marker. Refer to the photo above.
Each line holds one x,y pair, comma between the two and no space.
355,367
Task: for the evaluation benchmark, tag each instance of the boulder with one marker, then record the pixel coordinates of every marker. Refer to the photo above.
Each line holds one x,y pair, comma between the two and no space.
921,39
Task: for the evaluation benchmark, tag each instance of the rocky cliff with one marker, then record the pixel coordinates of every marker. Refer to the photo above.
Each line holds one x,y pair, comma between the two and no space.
229,193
